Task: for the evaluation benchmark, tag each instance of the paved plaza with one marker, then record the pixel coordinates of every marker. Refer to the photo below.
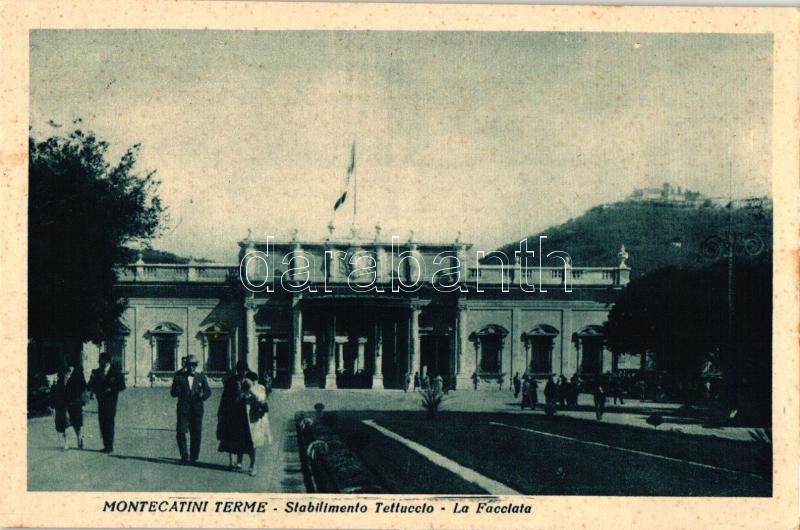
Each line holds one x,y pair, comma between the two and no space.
146,457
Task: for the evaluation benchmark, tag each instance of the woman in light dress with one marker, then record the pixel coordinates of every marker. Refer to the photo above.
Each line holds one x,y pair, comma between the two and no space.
258,415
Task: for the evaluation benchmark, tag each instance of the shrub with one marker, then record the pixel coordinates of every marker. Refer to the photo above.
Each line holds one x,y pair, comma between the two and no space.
431,401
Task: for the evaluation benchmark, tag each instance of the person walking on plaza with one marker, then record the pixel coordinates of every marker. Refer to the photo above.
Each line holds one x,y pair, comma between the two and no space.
563,391
517,382
406,382
267,382
616,389
534,392
255,397
416,381
526,392
574,390
68,396
599,399
233,424
191,388
551,392
438,383
106,382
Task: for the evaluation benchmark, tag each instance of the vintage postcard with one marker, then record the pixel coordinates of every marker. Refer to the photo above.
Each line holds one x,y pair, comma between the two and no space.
292,265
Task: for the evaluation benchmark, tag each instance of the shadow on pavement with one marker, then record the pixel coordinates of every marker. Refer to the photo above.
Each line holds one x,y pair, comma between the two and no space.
173,461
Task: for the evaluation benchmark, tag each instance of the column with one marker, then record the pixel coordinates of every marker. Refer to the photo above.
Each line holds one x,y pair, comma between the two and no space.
414,340
462,344
565,363
527,343
297,379
362,345
252,337
330,343
274,368
377,374
380,263
340,342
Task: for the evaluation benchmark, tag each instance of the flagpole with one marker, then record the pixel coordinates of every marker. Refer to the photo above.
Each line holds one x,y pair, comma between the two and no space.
355,184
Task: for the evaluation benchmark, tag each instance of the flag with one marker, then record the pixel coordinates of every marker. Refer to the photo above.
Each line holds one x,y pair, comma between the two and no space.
351,168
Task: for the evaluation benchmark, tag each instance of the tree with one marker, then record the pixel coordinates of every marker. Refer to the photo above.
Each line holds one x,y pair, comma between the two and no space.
82,210
681,315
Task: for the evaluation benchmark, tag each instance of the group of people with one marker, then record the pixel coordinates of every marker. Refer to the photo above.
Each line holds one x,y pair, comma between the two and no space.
242,417
71,392
564,393
425,382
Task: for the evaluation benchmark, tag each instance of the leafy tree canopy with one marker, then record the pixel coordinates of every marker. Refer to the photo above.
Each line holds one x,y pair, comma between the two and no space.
82,210
681,314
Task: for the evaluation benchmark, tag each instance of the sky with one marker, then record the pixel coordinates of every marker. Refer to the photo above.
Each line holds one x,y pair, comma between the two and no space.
491,135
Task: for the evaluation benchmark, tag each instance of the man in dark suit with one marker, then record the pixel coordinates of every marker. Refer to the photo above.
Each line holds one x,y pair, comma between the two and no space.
106,382
191,388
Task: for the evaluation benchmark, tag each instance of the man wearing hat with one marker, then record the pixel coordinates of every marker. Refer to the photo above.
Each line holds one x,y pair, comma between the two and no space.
191,388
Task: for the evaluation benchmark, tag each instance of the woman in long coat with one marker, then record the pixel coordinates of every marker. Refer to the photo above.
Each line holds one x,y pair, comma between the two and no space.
258,416
68,402
233,425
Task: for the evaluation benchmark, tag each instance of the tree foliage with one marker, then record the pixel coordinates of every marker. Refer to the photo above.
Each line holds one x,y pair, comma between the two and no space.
682,314
82,210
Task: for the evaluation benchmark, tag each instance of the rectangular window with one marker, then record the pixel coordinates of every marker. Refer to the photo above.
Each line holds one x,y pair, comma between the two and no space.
166,347
491,346
592,352
541,355
217,354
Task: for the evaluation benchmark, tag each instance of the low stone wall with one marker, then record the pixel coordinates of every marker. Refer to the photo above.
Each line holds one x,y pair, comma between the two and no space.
328,464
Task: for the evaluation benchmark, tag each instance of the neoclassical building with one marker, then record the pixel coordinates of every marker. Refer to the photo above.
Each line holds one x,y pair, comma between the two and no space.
362,312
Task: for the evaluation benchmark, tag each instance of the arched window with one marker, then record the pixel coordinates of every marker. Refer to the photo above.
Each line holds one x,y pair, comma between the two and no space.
539,342
164,341
489,342
216,345
589,342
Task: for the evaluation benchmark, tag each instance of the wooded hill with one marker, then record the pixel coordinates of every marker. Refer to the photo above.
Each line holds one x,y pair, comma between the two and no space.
657,234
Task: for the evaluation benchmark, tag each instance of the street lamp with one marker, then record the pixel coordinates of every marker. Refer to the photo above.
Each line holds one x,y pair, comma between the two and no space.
717,246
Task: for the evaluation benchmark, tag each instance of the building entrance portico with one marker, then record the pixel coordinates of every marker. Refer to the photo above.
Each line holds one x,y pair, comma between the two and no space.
357,343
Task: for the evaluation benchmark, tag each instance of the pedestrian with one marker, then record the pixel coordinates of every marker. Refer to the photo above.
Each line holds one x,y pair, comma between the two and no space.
406,382
574,390
416,381
69,396
617,389
438,383
526,393
534,392
599,399
551,392
267,381
517,382
563,391
476,379
191,388
255,397
106,382
233,424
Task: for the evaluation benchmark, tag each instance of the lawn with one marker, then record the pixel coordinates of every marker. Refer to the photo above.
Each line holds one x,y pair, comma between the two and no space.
534,463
